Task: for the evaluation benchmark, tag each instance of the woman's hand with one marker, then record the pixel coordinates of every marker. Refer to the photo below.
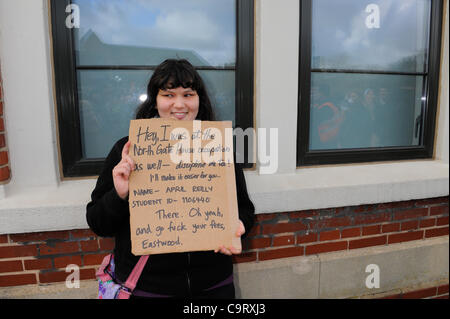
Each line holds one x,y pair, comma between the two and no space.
231,250
121,172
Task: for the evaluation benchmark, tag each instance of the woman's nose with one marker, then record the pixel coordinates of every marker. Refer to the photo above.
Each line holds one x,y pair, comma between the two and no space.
178,102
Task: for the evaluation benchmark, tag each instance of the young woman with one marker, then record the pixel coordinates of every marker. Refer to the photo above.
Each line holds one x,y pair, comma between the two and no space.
175,91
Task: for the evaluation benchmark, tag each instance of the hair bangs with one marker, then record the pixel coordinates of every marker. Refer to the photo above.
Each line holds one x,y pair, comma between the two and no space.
179,77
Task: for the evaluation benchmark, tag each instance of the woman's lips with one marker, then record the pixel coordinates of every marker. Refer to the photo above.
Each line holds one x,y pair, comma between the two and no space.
179,115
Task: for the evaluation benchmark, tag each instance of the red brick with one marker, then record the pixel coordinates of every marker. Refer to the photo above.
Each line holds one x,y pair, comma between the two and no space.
268,229
411,213
311,237
39,237
442,221
330,235
419,294
17,280
303,214
4,173
413,224
53,276
435,232
89,245
244,257
82,233
106,243
2,125
326,247
63,262
2,140
432,201
18,251
427,222
403,204
58,276
265,217
93,259
11,266
372,218
388,228
280,253
255,243
38,264
3,239
367,242
283,240
363,208
398,238
255,231
3,158
87,274
371,230
351,232
439,210
58,248
330,222
442,289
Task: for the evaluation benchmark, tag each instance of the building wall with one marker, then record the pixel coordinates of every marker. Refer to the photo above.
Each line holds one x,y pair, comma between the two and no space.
41,258
301,212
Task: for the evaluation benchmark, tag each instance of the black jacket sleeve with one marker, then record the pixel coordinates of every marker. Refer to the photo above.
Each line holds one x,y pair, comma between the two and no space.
106,213
245,205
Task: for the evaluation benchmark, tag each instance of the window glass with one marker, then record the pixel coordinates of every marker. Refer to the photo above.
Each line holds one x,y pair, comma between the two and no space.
388,35
364,110
107,102
118,45
108,99
368,68
137,32
221,90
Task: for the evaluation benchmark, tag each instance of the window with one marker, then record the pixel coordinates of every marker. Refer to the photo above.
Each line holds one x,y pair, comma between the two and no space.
106,50
369,75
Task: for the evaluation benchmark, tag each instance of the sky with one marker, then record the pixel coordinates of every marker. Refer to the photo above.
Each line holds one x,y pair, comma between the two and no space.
206,26
339,28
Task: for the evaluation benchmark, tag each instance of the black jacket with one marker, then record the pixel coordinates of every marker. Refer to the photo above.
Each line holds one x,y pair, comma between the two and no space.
175,274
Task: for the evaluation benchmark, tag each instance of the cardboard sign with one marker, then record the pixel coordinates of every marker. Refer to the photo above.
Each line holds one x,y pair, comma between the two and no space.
182,193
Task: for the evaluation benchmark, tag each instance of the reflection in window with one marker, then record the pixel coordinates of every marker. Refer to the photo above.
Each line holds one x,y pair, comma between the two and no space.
368,73
364,110
133,32
118,45
343,36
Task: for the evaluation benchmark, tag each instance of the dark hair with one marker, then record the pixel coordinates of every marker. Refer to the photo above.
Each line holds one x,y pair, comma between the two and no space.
171,74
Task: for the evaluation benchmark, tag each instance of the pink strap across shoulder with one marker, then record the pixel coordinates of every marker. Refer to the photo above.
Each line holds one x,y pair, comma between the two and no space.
136,273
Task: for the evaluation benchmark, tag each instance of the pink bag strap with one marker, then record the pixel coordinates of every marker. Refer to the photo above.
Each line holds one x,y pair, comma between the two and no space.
136,273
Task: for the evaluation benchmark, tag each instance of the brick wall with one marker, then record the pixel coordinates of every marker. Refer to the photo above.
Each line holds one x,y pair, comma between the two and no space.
319,231
41,258
5,172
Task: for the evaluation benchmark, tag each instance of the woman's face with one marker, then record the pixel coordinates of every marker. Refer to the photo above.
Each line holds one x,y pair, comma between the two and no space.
178,103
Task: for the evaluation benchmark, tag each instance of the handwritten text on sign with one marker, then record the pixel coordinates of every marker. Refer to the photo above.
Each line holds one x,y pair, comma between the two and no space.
182,191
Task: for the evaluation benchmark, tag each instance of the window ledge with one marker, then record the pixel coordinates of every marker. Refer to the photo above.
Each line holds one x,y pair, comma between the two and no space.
50,208
348,185
63,207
